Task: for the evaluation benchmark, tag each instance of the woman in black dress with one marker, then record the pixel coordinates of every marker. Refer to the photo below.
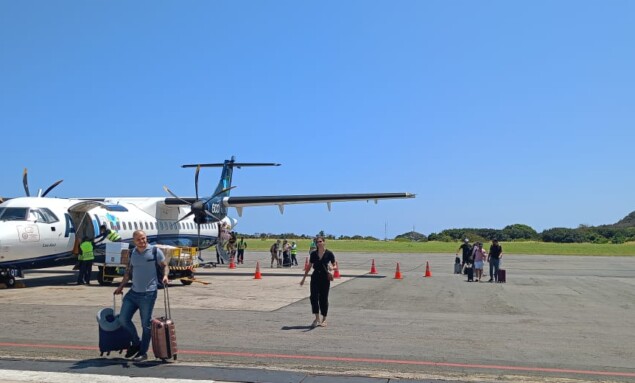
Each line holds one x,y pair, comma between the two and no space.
323,262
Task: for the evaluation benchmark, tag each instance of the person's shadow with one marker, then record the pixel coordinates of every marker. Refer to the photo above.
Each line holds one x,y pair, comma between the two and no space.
105,361
304,328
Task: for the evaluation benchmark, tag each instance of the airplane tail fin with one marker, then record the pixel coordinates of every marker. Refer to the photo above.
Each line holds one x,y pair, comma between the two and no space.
225,182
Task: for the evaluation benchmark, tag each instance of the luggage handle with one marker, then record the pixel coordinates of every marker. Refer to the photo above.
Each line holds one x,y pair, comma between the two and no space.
114,303
166,302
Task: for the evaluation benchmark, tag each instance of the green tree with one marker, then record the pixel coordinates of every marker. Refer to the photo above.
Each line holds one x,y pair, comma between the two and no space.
518,231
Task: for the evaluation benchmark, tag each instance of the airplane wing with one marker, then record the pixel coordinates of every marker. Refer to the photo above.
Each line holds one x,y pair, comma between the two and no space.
241,202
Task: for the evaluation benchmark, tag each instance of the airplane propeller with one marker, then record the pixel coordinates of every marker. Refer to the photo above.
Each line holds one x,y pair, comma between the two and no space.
25,182
197,208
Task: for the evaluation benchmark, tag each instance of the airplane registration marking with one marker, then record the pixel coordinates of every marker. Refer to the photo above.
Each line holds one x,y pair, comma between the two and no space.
28,233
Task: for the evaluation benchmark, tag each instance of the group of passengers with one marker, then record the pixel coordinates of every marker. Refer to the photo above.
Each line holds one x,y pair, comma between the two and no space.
475,256
284,254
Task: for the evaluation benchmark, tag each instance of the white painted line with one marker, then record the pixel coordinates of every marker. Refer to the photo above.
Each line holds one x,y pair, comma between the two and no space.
14,376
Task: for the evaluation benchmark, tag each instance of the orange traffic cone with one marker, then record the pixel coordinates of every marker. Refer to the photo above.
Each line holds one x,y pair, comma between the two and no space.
373,270
336,273
257,275
428,273
232,265
397,272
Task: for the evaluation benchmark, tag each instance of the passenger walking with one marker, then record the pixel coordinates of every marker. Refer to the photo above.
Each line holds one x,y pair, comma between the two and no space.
280,253
323,262
286,253
494,257
479,258
466,251
231,247
144,260
274,253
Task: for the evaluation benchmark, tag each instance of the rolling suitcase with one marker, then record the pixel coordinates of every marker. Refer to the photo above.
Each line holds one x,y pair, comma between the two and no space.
470,273
164,333
112,336
502,276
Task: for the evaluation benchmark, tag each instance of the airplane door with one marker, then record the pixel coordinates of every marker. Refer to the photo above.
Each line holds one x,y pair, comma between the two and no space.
82,221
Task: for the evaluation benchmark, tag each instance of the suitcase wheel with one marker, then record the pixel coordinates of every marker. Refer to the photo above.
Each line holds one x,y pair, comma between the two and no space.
101,353
174,357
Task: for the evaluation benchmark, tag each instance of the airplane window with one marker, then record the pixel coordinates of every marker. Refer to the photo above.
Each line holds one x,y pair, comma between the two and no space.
124,225
48,215
34,216
13,214
151,225
135,226
146,224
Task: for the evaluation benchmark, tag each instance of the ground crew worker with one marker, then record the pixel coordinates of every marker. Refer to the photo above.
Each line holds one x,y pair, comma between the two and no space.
294,253
242,245
86,258
106,233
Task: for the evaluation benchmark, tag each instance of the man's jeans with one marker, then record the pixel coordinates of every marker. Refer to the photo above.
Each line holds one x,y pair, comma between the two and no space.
493,268
144,302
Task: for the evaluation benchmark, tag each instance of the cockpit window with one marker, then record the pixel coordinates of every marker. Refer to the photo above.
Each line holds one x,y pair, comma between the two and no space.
48,216
13,214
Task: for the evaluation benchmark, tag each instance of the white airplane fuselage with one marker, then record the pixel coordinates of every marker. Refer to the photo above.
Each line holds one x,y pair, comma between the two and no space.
38,232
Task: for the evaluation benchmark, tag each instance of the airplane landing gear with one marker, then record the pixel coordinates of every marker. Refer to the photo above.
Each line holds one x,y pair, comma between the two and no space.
7,278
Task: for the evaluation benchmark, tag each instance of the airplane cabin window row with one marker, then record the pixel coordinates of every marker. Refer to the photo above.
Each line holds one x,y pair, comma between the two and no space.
161,225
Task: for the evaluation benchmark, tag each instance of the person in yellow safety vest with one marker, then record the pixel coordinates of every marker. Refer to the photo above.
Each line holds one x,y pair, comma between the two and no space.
242,245
294,253
86,258
106,233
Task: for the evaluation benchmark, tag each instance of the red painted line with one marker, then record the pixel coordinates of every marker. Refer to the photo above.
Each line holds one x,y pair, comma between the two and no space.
353,360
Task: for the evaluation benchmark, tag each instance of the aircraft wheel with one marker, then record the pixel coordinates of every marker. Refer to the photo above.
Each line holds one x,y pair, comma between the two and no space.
10,282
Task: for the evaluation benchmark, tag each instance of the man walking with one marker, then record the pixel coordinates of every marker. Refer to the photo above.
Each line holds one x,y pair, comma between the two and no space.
143,264
494,257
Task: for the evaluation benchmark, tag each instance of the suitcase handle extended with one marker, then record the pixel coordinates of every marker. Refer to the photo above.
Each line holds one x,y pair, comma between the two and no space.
166,302
114,304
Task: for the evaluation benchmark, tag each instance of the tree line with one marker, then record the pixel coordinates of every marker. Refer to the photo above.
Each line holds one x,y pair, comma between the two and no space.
520,232
620,232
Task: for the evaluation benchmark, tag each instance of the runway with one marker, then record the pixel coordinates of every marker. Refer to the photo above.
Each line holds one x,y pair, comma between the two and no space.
557,318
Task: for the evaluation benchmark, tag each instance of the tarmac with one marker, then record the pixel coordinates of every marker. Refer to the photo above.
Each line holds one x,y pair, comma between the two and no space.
557,319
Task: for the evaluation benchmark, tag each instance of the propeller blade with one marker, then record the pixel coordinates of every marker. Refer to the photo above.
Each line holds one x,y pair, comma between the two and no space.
198,169
175,196
187,215
51,188
25,182
220,192
212,215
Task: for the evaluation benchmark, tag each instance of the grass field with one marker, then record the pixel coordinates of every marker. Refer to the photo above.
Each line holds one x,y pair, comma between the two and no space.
627,249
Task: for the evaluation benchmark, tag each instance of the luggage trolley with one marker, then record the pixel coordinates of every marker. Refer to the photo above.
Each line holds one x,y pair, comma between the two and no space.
181,260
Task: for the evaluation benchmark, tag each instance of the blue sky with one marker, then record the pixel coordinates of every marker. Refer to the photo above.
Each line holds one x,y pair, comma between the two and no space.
492,112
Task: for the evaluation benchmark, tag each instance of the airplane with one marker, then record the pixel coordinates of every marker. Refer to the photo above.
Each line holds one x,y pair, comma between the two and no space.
42,232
